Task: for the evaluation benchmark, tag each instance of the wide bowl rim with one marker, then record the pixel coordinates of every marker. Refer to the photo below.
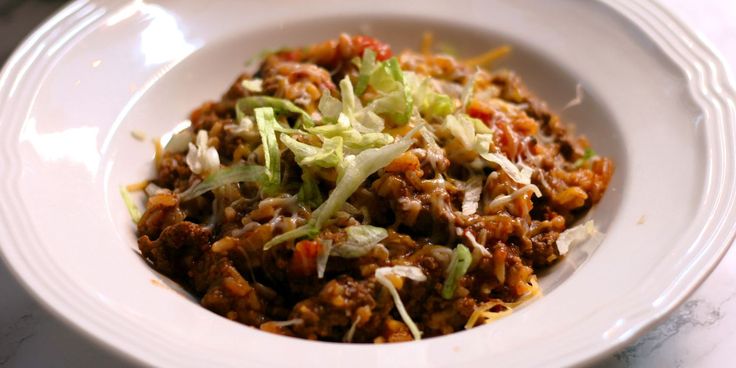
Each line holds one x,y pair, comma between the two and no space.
708,80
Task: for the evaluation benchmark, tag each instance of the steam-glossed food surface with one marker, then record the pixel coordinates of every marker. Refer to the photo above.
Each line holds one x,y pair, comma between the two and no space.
343,192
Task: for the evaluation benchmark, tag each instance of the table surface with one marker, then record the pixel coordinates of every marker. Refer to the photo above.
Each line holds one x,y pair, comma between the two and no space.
701,332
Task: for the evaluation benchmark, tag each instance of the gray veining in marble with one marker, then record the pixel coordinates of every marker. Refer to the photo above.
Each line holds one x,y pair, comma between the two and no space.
14,335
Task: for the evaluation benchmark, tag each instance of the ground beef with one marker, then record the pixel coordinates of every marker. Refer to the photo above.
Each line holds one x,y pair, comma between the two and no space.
213,244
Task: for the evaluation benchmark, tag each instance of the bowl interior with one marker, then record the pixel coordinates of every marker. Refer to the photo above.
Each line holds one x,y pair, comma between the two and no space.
208,72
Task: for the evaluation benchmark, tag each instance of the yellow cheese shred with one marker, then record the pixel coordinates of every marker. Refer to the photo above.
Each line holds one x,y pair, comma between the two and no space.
158,152
489,56
483,311
427,41
135,187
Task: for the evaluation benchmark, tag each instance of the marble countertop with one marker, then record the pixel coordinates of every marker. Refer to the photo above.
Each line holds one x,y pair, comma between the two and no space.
701,332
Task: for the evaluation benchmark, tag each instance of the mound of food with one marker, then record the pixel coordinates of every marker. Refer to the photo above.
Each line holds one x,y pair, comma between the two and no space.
341,193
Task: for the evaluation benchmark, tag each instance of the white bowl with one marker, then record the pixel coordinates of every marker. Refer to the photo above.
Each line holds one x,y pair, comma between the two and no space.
657,101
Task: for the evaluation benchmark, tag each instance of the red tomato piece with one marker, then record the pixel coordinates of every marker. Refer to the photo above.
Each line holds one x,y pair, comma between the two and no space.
383,50
304,260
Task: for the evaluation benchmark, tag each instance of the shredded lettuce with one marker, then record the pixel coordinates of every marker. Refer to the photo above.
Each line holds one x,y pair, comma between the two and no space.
340,127
367,65
462,129
471,132
459,265
228,175
396,100
179,142
253,85
364,120
202,159
587,155
323,256
410,272
480,127
135,213
329,155
386,76
358,142
349,101
266,121
436,104
354,172
359,127
359,169
279,105
361,239
577,234
329,106
523,176
393,105
305,230
427,100
309,193
483,143
473,190
352,139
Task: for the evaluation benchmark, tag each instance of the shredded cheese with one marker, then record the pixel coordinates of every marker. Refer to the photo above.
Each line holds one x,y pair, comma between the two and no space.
523,176
489,56
483,311
135,187
427,41
476,245
435,154
158,152
502,200
291,322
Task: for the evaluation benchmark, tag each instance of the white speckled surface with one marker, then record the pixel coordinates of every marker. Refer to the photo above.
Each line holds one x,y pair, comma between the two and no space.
701,332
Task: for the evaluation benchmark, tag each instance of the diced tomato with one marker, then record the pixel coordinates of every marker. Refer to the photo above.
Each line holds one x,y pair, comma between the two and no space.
505,139
480,111
290,55
304,261
383,51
